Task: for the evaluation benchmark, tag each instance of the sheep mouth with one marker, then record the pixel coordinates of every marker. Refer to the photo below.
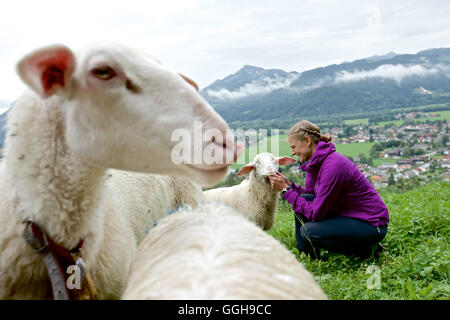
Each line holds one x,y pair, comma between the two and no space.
265,175
218,168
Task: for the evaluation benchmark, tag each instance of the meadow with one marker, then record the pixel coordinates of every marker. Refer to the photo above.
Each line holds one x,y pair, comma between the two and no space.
443,115
415,263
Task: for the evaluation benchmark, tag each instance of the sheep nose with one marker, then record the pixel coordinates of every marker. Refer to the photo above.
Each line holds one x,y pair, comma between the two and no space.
229,145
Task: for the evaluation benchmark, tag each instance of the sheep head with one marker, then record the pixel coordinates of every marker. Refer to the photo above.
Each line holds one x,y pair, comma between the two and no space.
121,107
265,164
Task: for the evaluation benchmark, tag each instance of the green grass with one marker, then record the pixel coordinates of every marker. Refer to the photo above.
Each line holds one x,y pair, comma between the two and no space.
355,149
378,161
443,115
357,121
416,260
396,123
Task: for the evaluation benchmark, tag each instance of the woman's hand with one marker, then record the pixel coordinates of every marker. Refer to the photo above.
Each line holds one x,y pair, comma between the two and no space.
278,181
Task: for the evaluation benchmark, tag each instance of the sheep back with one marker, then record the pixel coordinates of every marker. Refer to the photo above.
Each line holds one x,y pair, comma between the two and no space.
211,252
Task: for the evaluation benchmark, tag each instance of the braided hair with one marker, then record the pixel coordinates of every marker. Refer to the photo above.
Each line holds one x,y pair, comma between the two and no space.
306,128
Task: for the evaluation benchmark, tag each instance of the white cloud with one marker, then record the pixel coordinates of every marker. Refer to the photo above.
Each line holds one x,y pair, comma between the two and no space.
395,72
208,40
263,86
315,85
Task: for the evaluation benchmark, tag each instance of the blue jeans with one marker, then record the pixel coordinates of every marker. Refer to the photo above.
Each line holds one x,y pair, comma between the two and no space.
336,234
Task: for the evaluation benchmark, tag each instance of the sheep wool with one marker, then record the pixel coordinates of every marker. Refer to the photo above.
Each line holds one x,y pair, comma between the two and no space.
253,197
212,252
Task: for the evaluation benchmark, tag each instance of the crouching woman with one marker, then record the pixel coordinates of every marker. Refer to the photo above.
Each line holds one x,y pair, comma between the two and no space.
338,209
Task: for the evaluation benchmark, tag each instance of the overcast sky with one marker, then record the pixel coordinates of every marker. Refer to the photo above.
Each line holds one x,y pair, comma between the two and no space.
209,39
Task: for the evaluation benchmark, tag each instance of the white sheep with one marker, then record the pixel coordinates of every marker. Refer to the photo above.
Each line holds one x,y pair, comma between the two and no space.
253,197
212,252
109,106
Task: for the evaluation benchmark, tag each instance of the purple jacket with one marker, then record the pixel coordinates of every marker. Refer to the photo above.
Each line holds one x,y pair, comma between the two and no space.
339,186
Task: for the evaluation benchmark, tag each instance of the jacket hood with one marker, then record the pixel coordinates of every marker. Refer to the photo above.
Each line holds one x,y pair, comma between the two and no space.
323,149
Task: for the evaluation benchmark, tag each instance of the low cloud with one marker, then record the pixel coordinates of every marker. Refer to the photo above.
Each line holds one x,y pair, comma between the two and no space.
395,72
315,85
263,86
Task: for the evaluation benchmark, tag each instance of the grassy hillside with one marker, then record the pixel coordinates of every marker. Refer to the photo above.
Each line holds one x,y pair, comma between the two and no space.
416,260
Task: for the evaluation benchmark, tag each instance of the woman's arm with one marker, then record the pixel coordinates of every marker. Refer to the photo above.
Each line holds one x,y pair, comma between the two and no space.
309,185
297,187
329,186
279,182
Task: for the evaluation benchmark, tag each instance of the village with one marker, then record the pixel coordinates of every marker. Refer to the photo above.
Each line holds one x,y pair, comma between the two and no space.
406,151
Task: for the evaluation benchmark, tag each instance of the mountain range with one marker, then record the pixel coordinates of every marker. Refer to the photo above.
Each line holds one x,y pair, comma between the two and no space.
361,88
255,97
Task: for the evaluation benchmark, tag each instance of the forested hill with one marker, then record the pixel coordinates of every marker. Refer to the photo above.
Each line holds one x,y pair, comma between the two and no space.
367,86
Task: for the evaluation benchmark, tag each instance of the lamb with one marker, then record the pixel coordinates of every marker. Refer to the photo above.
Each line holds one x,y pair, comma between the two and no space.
212,252
78,148
253,197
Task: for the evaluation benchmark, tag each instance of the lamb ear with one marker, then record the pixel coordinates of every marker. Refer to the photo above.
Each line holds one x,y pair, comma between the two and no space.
47,69
246,169
284,160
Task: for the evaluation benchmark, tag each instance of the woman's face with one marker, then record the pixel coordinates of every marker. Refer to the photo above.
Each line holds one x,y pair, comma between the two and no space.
304,150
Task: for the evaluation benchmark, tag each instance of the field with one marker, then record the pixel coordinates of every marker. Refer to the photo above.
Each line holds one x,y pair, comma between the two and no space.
357,121
443,115
416,260
355,149
379,161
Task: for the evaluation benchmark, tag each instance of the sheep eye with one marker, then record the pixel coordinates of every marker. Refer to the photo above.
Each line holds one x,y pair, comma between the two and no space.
104,73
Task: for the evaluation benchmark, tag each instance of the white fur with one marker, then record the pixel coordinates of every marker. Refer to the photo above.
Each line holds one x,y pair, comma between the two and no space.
211,252
59,145
253,197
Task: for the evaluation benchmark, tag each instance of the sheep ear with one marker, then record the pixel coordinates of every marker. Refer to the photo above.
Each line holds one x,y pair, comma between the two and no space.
246,169
48,69
190,81
284,160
